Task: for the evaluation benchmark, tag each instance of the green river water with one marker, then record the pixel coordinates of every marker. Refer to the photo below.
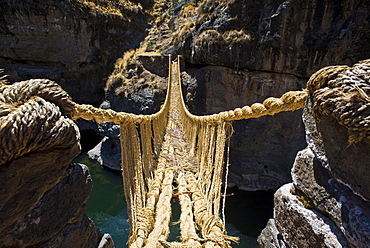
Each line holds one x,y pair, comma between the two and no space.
246,212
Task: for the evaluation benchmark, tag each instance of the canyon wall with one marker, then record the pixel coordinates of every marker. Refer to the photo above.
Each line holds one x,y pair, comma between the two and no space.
74,43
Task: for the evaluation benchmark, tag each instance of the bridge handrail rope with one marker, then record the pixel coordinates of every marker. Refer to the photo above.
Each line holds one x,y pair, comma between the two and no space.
289,101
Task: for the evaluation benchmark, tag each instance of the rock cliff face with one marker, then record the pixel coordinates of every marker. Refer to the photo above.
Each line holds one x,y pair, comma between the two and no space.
297,37
74,43
327,204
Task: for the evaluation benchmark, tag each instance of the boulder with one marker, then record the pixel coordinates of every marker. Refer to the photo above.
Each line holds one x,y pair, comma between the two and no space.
59,208
106,242
107,153
25,180
82,233
270,236
303,227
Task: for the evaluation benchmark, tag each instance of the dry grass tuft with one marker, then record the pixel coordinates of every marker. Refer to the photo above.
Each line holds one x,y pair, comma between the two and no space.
112,8
188,10
236,37
121,63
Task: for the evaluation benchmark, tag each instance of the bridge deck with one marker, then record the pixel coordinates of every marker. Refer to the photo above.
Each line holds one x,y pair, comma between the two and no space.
176,179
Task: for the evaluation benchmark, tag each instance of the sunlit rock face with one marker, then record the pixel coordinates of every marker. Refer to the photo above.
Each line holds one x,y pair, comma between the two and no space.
297,37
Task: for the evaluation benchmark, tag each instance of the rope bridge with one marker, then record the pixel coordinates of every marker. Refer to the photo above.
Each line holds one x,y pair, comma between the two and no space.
170,155
176,154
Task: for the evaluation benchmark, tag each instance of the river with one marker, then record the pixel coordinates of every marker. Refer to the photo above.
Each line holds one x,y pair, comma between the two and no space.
246,212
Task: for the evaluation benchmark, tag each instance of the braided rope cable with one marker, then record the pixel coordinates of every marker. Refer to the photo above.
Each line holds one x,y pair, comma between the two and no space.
33,118
210,226
344,93
189,235
161,230
18,93
290,101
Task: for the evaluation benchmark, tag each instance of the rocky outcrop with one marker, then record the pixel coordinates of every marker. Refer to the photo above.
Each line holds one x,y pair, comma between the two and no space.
138,85
270,236
107,152
74,43
327,205
42,193
302,227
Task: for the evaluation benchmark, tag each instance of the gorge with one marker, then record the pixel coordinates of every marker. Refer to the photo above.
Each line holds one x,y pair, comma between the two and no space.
109,54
